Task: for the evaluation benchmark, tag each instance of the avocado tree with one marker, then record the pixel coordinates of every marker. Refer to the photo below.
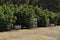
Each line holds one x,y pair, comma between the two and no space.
24,14
42,17
8,17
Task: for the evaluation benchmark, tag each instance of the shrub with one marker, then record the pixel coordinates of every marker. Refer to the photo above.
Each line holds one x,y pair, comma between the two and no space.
25,16
51,16
2,18
57,19
7,17
42,17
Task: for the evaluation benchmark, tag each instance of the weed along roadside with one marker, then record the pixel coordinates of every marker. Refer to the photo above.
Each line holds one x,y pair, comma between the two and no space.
26,16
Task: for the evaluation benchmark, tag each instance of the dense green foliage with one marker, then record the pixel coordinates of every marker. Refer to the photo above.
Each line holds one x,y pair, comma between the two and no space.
53,5
23,15
42,17
6,17
57,19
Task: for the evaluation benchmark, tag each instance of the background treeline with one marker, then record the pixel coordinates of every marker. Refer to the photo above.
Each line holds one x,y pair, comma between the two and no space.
22,12
52,5
23,15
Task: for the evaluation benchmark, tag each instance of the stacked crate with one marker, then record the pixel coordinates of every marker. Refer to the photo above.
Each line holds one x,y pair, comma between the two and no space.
35,22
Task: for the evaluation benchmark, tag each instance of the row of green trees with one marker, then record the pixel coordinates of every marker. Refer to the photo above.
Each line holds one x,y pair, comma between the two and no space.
23,15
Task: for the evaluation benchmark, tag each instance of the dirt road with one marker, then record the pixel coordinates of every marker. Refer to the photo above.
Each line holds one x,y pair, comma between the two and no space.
46,33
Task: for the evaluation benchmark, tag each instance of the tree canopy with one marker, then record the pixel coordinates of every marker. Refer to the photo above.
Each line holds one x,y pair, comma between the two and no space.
52,5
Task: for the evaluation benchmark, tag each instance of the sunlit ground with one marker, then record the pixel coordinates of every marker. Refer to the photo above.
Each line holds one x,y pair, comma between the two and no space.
46,33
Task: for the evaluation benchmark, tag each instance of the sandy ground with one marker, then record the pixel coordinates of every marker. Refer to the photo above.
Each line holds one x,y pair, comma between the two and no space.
46,33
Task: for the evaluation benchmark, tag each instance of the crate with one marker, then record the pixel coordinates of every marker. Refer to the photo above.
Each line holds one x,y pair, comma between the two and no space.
35,22
17,27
